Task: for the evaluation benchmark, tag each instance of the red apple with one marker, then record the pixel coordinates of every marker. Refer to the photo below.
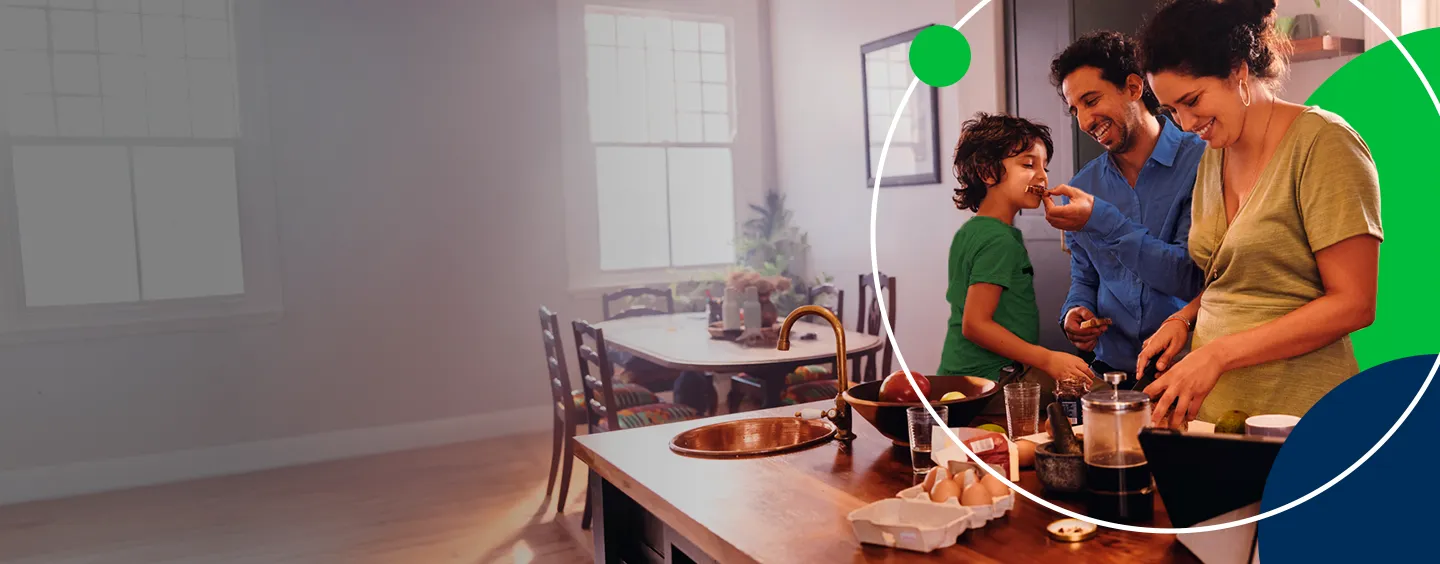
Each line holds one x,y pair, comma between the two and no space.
897,388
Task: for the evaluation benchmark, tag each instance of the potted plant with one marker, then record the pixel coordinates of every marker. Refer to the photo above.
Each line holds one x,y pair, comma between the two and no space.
769,247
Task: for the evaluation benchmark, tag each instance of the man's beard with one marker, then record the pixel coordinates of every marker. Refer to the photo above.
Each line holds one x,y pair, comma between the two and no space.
1124,129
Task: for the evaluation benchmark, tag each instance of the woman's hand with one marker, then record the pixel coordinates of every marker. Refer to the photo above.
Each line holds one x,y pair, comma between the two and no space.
1184,387
1062,366
1167,342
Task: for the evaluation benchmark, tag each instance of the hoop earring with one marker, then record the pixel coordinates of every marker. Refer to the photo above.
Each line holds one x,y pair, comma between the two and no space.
1245,89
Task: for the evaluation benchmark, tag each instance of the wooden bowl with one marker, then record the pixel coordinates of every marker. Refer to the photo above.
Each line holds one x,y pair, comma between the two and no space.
890,419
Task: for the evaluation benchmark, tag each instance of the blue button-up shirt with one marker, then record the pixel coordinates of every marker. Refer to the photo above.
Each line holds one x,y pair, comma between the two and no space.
1131,261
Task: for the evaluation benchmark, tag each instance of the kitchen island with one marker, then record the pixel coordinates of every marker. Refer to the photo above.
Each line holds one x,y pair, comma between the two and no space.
652,505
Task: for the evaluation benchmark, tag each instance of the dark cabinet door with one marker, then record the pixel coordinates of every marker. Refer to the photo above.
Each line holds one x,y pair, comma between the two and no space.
1037,31
1125,16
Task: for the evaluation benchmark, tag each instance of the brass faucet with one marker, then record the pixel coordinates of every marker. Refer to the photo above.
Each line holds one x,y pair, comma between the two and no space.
840,415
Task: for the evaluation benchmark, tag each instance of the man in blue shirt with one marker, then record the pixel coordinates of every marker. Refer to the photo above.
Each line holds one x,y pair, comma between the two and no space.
1127,213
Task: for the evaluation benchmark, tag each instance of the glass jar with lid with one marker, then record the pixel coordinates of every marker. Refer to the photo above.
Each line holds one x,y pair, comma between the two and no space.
1117,475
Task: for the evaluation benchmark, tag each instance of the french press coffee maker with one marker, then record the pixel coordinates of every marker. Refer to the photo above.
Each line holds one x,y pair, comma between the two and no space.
1116,475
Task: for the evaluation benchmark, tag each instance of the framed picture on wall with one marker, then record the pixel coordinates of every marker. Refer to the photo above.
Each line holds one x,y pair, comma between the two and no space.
885,75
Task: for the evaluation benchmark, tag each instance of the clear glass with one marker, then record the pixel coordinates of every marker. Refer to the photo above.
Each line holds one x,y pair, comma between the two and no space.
921,423
1022,409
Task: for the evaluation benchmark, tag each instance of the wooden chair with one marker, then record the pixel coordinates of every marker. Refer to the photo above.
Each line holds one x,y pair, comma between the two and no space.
869,323
566,414
569,404
603,412
644,373
745,385
639,371
634,310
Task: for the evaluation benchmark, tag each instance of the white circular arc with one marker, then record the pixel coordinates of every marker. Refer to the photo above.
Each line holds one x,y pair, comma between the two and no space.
890,333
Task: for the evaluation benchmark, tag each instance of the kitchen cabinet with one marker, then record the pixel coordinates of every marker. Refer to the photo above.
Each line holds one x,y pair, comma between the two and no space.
1035,32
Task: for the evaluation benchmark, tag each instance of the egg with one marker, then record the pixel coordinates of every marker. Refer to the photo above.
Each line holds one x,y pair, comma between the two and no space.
944,490
965,478
1027,453
976,494
935,474
994,485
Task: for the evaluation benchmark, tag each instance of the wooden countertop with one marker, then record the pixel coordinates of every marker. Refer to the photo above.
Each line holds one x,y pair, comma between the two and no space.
792,507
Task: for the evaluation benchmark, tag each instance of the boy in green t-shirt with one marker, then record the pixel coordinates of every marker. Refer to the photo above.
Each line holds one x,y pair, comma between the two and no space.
1000,162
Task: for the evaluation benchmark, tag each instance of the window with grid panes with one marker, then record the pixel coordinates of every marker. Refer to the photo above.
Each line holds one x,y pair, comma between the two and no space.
892,77
661,122
122,124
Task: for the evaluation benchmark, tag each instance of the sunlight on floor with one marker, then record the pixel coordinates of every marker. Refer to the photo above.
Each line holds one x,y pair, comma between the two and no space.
511,544
522,553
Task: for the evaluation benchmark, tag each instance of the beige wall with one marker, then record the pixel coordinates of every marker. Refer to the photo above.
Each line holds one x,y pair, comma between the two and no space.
412,150
820,149
1341,19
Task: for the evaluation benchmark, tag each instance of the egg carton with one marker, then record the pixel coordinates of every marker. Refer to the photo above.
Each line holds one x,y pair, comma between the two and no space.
912,522
980,514
920,526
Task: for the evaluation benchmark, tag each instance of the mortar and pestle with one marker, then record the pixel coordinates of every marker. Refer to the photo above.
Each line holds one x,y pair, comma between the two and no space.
1060,463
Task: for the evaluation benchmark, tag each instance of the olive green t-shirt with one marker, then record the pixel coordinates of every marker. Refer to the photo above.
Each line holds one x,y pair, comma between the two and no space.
1319,188
986,250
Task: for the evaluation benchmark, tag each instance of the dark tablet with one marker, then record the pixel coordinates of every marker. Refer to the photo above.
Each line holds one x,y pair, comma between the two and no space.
1202,475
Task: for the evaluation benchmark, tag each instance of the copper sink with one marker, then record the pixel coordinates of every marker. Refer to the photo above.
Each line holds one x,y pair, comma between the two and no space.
752,437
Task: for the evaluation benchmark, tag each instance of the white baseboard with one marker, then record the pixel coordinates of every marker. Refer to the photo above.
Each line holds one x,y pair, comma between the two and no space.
50,482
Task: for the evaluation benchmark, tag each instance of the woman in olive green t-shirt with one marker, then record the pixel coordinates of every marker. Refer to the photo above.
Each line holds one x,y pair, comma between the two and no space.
1286,226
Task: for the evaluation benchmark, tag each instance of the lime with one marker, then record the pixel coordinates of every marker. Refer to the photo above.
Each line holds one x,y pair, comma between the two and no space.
992,428
1232,423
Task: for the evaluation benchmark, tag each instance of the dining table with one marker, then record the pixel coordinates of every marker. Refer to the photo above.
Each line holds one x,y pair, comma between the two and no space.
682,341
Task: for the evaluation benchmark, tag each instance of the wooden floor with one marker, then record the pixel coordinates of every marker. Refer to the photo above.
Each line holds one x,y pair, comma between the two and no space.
477,502
474,502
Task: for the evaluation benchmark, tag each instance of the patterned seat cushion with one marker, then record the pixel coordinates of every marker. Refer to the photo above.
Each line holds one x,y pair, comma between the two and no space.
652,414
808,392
802,375
626,395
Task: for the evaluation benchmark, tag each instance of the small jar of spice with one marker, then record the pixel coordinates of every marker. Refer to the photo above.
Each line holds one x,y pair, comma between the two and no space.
1068,393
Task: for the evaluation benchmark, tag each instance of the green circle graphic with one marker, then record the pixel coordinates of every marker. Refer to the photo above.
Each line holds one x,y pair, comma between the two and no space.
1379,95
939,56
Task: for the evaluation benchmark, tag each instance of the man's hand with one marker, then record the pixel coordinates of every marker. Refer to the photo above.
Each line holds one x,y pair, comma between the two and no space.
1072,216
1084,338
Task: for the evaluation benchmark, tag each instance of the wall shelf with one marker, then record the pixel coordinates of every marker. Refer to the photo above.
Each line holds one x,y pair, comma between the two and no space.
1325,47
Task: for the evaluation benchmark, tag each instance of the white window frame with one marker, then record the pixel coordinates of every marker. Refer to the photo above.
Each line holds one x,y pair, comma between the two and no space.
262,301
744,19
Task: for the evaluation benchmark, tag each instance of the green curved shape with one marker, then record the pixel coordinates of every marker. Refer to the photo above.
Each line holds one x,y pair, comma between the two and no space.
1380,96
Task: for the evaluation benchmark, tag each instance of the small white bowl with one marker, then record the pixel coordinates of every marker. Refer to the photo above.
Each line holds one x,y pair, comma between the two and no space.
1278,426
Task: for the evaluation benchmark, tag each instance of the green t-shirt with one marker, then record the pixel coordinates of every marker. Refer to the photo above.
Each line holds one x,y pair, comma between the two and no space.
986,250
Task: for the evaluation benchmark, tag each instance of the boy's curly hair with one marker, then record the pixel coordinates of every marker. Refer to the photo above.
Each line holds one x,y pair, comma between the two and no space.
985,142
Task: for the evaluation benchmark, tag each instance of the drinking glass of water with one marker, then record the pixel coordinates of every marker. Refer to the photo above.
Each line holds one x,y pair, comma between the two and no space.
920,425
1022,409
